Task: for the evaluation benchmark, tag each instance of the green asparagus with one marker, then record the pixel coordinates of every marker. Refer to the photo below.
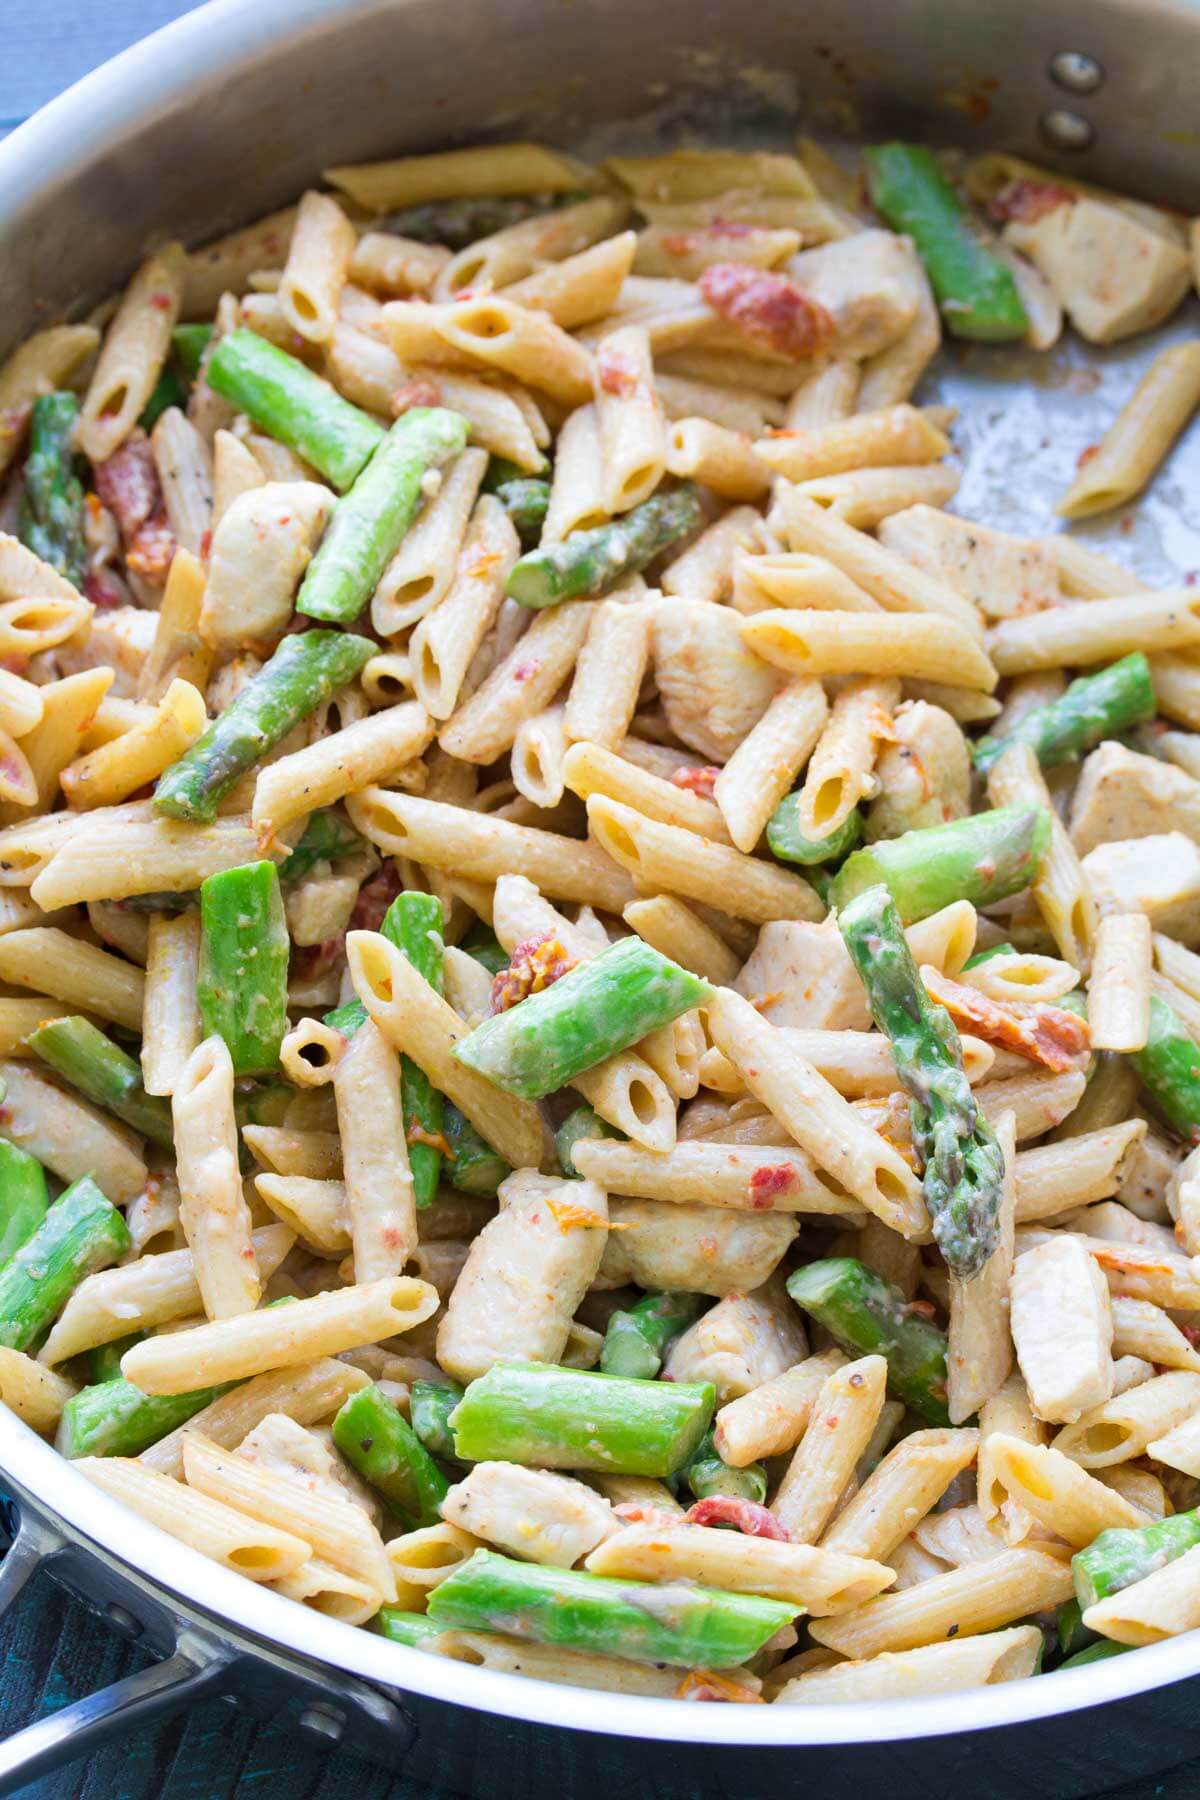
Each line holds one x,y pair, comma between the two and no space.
1169,1070
103,1074
405,1627
870,1317
188,344
305,670
117,1419
1093,708
169,390
526,501
707,1474
481,943
326,837
584,1122
414,924
982,956
684,1625
241,986
962,1161
575,1419
430,1406
293,405
1118,1558
1070,1630
459,223
23,1198
597,1009
975,290
637,1341
593,562
80,1233
786,840
1099,1652
983,859
377,1441
472,1166
369,521
104,1362
51,515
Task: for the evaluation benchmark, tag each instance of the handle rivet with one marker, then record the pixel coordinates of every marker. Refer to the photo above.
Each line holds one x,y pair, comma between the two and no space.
122,1620
1077,73
324,1723
1064,130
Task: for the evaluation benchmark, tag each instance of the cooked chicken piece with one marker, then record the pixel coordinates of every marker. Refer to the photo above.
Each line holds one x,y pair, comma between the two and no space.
260,549
713,689
737,1345
1116,269
1062,1328
1121,794
802,975
1002,575
693,1249
1158,875
541,1518
923,777
121,639
867,283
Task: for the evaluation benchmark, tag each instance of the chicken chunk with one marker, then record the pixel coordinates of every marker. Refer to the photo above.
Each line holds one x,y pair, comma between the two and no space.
866,283
1157,875
1122,795
121,639
1004,576
802,975
923,777
1116,269
737,1345
1062,1328
541,1518
260,549
693,1249
713,689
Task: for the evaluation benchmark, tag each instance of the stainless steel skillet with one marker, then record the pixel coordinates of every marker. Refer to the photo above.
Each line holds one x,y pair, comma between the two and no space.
228,113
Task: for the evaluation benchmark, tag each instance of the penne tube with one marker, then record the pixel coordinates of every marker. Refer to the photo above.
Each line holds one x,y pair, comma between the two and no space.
1060,887
71,1137
318,264
278,1338
68,710
864,498
446,640
30,626
979,1353
1123,1427
669,926
820,1581
90,979
380,1202
20,705
315,1209
523,684
154,1290
947,1668
369,751
492,331
580,288
251,1547
716,1174
1159,1606
184,464
841,770
1055,1178
843,1418
796,581
1140,436
537,757
827,395
44,363
898,1493
1058,1493
1178,1448
1118,1000
1098,632
178,653
35,1394
577,482
418,1022
629,419
307,1394
171,1028
839,1141
589,769
663,856
720,459
608,675
117,857
979,1597
132,355
212,1208
705,570
330,1591
421,572
773,1417
918,646
765,764
106,776
888,438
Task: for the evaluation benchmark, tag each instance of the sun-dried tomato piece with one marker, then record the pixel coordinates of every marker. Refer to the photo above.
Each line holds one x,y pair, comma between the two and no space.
534,966
751,1519
772,309
1029,201
1049,1035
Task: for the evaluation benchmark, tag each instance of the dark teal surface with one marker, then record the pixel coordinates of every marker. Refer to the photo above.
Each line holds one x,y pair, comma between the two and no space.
52,1651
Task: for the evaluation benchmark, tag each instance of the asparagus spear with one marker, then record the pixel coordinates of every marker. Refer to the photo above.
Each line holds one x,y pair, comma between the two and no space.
387,1452
51,517
1169,1070
584,1122
115,1418
481,943
188,344
637,1341
325,837
708,1474
293,405
577,1419
242,982
104,1362
963,1162
976,292
1093,707
430,1406
369,521
91,1062
472,1166
169,390
305,670
458,223
23,1198
870,1317
1094,1653
593,562
414,924
80,1233
526,501
982,956
261,1102
688,1626
786,840
405,1627
598,1008
1072,1633
1117,1558
983,859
